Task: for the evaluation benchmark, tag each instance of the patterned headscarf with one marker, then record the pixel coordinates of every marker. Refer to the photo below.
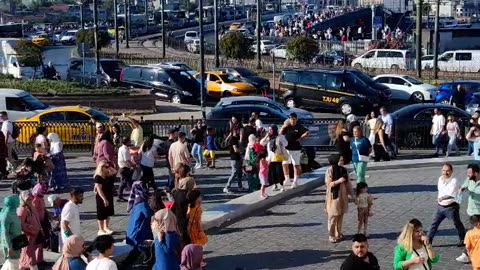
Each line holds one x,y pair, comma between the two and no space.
38,190
138,194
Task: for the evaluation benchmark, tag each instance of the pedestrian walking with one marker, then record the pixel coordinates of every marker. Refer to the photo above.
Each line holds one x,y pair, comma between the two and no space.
472,123
380,148
116,136
104,150
58,177
438,131
148,155
275,144
360,258
3,156
263,173
7,130
192,258
172,137
126,166
104,244
453,132
371,120
71,258
195,229
136,137
294,133
31,227
413,251
209,153
178,153
248,130
10,230
251,164
198,138
235,162
70,217
447,204
471,242
186,183
104,183
457,98
387,121
360,147
166,240
336,198
138,228
364,202
342,139
38,205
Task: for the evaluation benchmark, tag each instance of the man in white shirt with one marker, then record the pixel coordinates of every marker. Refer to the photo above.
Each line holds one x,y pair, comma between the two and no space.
105,246
178,152
448,205
70,218
388,128
7,129
125,165
438,130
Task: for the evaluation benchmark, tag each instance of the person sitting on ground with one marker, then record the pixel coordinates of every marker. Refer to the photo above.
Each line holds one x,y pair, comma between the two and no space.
360,258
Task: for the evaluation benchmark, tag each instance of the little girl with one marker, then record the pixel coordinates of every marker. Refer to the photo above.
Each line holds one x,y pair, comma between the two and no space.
195,228
364,204
263,173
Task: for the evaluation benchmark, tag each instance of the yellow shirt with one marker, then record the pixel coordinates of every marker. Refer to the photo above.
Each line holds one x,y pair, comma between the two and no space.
137,136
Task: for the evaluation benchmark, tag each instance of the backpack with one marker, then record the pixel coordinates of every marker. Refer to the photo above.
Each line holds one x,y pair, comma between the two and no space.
15,131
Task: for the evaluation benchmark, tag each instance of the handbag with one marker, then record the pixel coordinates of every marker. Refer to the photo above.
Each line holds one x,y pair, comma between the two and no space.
361,158
19,242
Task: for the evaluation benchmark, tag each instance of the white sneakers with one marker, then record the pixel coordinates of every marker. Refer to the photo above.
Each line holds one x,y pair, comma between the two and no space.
463,258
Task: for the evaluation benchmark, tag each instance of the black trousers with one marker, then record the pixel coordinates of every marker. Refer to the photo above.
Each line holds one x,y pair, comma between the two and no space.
125,180
148,177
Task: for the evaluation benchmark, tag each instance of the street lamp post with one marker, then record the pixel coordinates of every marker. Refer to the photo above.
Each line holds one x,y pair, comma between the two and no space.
81,15
127,23
215,18
435,44
162,10
115,16
259,22
202,58
373,22
418,39
95,37
146,15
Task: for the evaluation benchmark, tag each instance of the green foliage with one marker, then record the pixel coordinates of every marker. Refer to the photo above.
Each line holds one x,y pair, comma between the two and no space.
61,87
29,54
235,45
87,36
302,49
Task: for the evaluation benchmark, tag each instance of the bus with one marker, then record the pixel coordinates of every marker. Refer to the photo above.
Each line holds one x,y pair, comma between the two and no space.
11,30
208,13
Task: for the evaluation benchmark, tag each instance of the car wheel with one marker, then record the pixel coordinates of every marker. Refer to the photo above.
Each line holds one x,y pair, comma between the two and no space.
444,101
176,99
417,97
346,108
395,67
413,139
290,102
357,66
226,94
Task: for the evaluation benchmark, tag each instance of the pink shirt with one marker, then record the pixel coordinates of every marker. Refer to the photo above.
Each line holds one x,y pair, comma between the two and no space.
263,171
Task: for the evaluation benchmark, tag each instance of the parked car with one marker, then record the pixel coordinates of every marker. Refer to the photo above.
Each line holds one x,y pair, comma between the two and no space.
41,40
385,58
110,70
172,84
220,84
427,61
333,57
190,36
474,104
265,46
69,37
460,61
412,123
406,88
248,76
327,90
180,65
279,52
193,45
20,104
445,91
382,89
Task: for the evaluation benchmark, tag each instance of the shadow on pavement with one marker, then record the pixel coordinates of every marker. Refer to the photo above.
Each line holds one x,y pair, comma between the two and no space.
235,230
403,189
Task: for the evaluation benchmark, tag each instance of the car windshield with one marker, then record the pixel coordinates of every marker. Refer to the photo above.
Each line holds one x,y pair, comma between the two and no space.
362,76
191,34
245,72
412,80
267,42
32,103
112,66
229,78
97,115
183,66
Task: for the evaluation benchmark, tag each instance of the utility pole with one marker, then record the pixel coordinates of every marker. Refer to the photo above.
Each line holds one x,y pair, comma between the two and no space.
127,23
435,44
418,39
259,25
215,18
202,58
81,15
95,37
115,24
146,15
162,10
373,23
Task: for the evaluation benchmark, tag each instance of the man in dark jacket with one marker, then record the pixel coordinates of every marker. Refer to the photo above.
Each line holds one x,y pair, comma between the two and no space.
360,258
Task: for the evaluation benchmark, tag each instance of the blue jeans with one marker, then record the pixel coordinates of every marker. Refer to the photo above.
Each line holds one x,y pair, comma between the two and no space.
453,213
236,174
470,148
197,154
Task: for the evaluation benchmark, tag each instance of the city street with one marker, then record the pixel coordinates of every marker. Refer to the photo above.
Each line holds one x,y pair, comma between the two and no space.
293,235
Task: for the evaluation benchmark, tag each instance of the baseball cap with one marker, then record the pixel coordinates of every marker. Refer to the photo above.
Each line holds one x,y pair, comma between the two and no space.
52,199
293,115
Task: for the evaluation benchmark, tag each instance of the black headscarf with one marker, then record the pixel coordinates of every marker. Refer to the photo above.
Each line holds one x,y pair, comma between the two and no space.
273,137
106,136
337,173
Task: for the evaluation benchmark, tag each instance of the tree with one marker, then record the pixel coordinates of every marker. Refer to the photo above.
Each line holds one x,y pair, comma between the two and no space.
29,55
87,36
235,45
302,49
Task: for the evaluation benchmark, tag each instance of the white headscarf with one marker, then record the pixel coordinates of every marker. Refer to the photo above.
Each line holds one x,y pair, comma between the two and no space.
56,145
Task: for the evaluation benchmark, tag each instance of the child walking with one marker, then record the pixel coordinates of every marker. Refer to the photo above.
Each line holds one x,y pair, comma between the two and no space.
472,242
364,204
195,228
263,173
209,153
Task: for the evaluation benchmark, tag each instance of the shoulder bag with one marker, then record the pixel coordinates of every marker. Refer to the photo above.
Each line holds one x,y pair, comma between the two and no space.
19,242
428,258
361,158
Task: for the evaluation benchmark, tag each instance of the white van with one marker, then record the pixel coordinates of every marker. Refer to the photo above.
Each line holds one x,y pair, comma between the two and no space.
386,58
282,19
462,60
20,104
9,62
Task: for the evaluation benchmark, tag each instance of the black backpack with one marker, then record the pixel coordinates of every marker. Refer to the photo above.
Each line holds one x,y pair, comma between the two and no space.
15,131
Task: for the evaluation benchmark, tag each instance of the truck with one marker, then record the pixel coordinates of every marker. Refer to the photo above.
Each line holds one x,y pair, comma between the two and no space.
9,61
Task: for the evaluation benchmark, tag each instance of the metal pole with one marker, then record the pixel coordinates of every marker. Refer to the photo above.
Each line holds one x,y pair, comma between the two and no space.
82,25
127,23
259,22
418,39
215,18
373,21
202,58
436,39
115,16
146,16
273,76
164,38
95,37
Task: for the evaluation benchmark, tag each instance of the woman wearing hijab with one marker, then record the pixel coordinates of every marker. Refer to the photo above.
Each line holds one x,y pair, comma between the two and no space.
336,198
104,150
104,183
192,256
275,144
58,179
251,164
71,255
10,227
138,228
31,227
39,208
180,205
166,240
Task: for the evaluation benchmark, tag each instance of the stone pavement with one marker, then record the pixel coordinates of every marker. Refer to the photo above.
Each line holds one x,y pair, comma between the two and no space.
293,235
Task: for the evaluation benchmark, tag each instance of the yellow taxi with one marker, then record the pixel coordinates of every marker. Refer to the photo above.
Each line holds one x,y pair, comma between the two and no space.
41,40
220,84
72,124
235,26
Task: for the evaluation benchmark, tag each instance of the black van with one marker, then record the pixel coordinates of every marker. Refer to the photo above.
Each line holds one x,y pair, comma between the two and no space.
173,84
327,89
87,74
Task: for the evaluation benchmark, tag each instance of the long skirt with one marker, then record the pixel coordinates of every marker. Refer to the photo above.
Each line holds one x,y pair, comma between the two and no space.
275,173
27,255
59,177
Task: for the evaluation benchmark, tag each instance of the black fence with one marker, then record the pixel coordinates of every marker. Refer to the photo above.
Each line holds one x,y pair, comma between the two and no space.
80,136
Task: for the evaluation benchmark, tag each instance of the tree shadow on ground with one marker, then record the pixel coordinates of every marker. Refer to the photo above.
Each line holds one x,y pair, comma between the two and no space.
403,189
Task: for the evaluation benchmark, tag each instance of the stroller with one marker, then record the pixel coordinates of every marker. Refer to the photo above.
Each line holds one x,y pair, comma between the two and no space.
29,173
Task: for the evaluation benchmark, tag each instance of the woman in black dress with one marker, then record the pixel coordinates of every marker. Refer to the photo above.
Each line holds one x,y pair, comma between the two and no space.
343,141
380,148
104,179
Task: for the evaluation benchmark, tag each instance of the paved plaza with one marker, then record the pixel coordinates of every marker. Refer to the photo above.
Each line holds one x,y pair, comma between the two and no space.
293,235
